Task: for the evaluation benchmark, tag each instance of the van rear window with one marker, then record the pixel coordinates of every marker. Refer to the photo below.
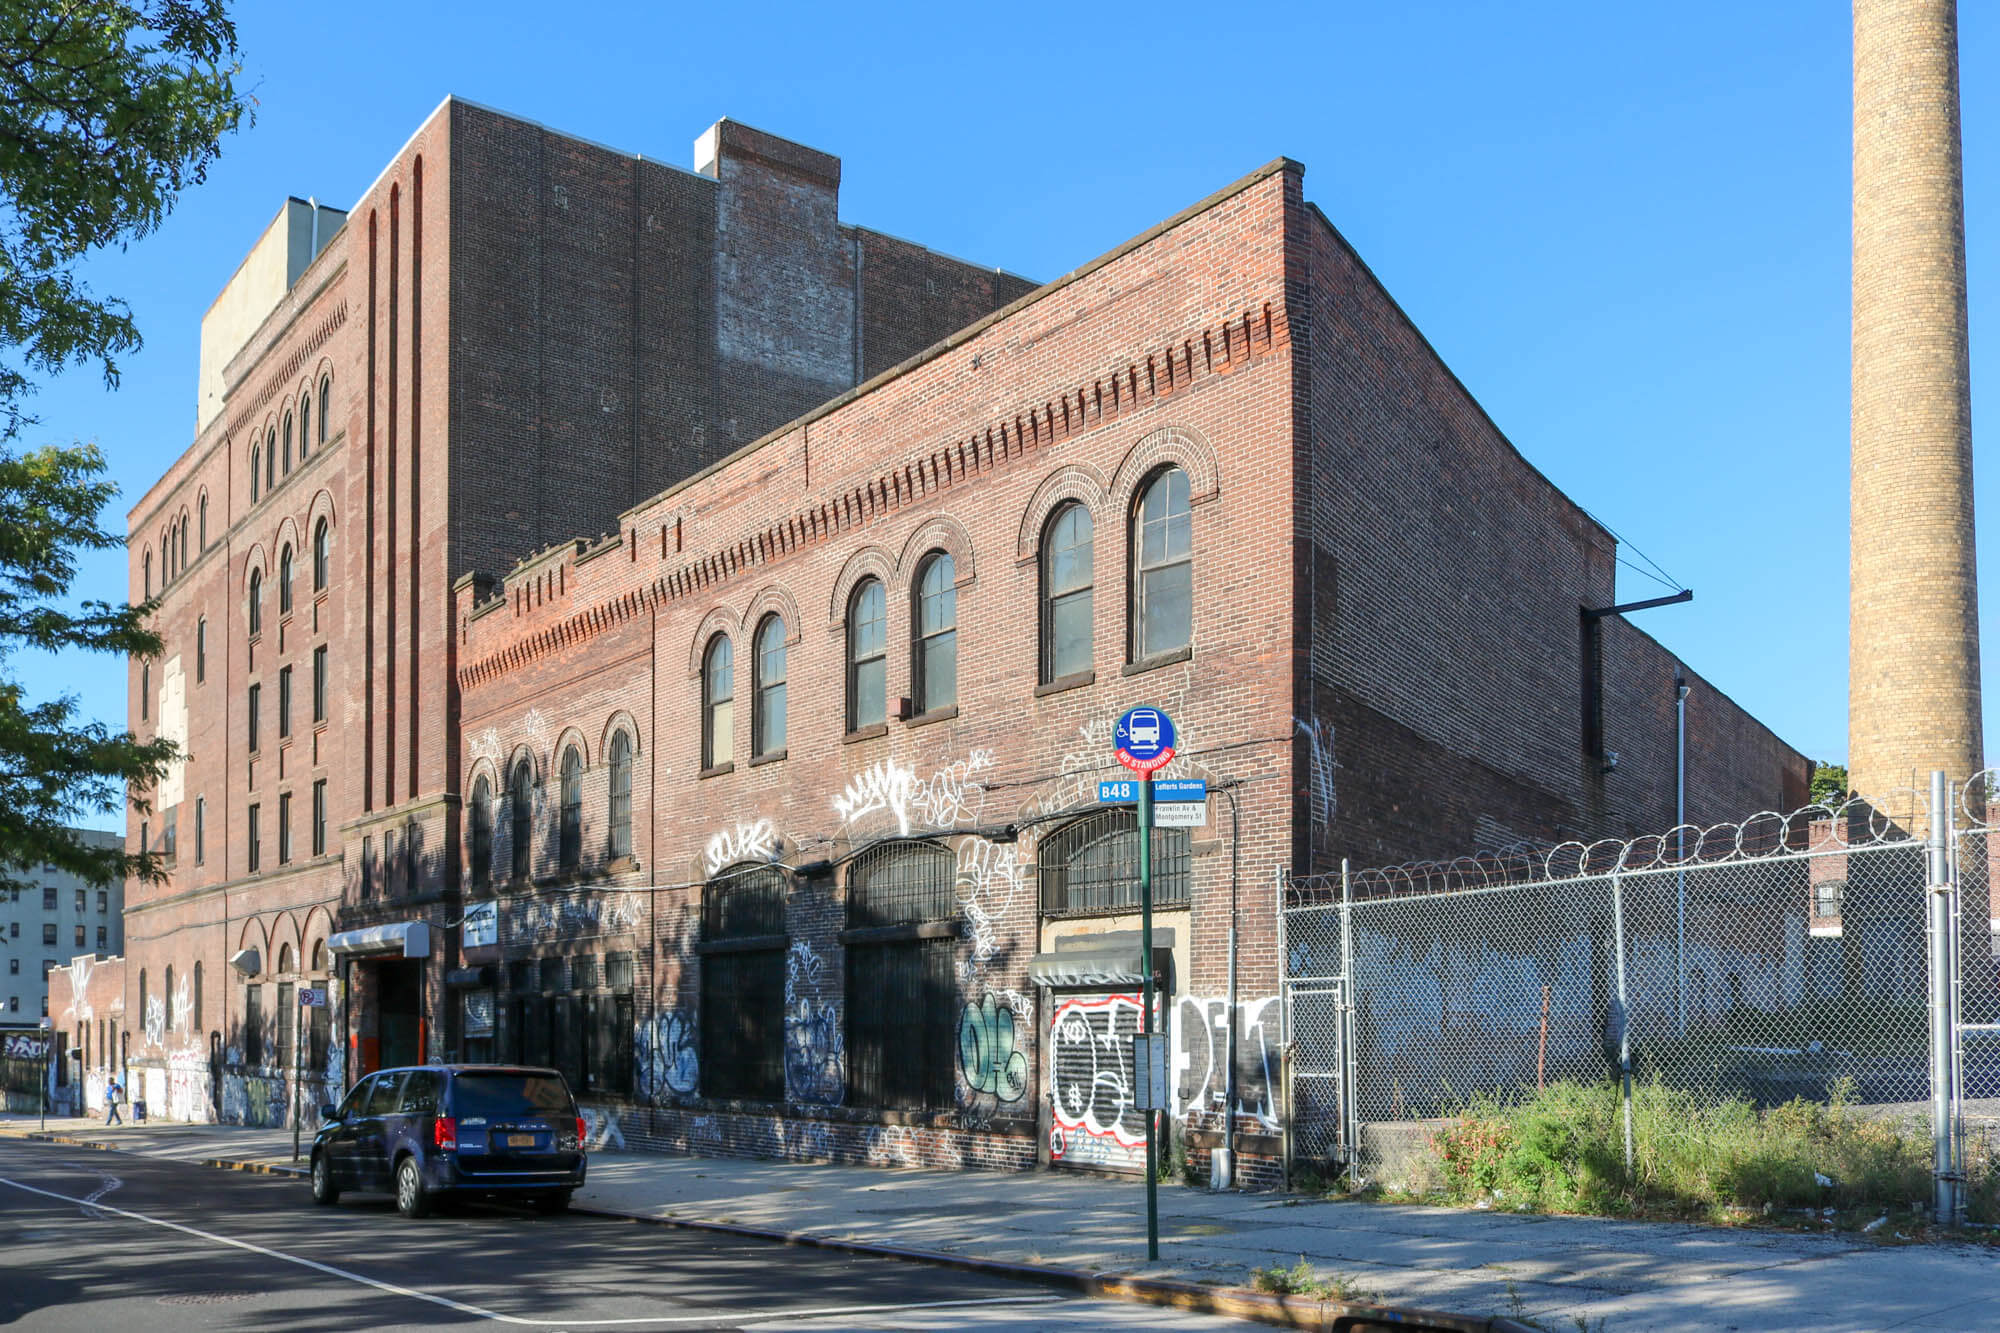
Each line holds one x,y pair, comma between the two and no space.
510,1095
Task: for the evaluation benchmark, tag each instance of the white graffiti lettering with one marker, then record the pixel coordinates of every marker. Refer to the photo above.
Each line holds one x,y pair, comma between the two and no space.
755,841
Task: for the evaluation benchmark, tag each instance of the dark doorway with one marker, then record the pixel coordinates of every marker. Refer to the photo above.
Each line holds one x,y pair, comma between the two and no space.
401,1009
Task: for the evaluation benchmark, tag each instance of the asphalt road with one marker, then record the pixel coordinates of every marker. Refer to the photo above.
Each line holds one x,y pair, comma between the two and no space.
104,1240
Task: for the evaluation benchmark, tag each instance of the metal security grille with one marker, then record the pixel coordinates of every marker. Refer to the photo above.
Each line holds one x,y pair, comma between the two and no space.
899,883
902,1007
743,988
743,1024
743,900
1749,964
1091,864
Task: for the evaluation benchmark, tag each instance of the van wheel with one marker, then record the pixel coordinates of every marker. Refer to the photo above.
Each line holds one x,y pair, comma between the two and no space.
548,1205
412,1199
325,1192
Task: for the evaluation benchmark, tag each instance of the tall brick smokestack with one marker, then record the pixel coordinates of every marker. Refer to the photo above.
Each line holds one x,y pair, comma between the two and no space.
1913,674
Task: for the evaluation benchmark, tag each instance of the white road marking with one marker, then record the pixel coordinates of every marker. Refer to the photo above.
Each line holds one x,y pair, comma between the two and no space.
718,1317
110,1183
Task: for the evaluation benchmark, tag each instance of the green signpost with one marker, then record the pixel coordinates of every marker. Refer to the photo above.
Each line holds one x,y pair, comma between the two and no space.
1145,740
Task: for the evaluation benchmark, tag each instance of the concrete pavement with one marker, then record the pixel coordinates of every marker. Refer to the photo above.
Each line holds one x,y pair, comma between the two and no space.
1551,1271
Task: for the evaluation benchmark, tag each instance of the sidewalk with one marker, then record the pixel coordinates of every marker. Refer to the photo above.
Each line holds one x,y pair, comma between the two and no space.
1551,1271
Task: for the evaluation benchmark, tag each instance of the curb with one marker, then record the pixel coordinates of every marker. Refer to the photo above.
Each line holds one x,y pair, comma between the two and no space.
220,1163
1301,1312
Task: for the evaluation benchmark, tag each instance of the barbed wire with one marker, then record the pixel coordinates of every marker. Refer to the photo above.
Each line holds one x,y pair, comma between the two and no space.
1897,817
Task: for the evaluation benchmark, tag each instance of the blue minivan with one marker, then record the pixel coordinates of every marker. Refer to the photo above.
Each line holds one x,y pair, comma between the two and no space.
419,1133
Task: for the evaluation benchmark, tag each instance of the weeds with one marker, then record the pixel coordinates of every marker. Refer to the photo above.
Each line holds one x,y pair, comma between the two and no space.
1301,1280
1562,1150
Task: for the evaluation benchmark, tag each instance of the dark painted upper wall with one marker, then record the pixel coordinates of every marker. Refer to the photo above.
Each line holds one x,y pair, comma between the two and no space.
619,325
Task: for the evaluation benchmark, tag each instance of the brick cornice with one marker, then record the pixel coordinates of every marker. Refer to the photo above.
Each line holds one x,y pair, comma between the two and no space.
1166,370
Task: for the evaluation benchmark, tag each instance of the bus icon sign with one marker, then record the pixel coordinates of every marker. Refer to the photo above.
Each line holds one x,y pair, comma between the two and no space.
1145,739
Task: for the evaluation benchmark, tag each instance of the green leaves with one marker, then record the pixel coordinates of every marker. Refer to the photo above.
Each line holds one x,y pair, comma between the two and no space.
108,111
53,767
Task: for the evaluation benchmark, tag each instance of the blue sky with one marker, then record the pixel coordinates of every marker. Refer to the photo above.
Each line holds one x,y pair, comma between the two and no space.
1624,227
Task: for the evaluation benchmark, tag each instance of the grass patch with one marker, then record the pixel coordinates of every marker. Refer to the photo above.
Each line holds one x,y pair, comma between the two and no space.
1301,1280
1562,1150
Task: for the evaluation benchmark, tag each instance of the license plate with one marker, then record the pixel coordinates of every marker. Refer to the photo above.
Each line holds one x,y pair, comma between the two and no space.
520,1140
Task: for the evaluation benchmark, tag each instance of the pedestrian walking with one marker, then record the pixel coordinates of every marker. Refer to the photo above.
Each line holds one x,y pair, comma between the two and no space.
112,1092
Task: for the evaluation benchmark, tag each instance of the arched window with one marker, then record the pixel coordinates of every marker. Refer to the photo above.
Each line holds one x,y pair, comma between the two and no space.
305,423
145,690
194,1001
479,832
1066,583
936,640
718,701
570,846
325,390
1090,865
322,555
767,727
284,961
184,541
256,602
621,795
256,469
271,459
520,800
288,444
743,987
147,561
901,990
202,523
867,656
319,956
285,581
1163,568
171,1002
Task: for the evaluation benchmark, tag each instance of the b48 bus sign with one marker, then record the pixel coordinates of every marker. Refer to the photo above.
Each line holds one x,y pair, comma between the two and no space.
1145,739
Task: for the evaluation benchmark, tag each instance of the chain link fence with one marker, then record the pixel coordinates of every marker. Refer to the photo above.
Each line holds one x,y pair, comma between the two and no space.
1748,998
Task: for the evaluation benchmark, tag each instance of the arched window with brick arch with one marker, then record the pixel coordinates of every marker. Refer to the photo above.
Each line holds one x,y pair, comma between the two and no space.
1066,582
256,470
718,701
934,640
305,422
1162,613
288,444
620,842
285,580
767,723
479,832
322,554
271,459
201,534
325,402
146,560
569,846
183,541
256,602
867,655
521,803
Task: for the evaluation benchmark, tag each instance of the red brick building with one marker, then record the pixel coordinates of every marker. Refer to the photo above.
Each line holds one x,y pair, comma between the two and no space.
511,337
768,812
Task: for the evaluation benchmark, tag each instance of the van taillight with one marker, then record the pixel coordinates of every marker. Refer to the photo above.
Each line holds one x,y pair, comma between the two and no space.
444,1132
579,1132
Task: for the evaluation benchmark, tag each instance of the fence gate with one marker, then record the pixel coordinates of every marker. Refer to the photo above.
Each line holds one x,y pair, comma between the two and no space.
1318,1024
